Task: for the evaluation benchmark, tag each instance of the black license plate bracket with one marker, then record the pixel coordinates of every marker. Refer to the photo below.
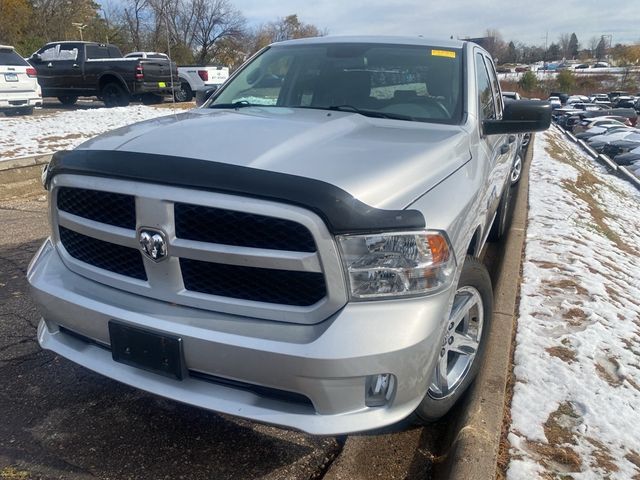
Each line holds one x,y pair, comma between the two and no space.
155,352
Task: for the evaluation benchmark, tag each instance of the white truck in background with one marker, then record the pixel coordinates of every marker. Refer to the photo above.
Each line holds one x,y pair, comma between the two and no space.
192,78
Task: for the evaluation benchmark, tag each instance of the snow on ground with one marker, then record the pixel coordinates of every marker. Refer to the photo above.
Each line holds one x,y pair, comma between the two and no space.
36,134
576,403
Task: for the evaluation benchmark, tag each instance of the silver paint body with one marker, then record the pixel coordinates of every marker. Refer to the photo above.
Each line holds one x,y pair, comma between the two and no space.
451,173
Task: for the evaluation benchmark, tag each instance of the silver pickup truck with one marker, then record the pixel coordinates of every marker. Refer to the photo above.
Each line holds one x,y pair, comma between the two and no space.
306,255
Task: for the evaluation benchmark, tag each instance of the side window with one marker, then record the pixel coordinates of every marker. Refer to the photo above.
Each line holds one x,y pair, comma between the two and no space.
486,105
67,52
114,52
59,52
50,53
95,51
495,86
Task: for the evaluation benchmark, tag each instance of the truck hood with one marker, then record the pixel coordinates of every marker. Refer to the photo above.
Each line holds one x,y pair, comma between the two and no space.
381,162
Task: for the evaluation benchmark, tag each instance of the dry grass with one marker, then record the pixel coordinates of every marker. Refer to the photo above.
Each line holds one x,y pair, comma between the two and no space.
609,374
602,458
585,187
545,265
553,456
633,457
568,284
57,138
575,316
563,353
11,473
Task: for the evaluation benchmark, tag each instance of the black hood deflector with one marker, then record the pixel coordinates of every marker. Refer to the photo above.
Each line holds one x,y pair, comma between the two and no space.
340,211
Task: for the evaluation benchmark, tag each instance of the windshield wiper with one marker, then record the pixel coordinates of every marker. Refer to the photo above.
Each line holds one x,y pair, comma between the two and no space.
369,113
236,105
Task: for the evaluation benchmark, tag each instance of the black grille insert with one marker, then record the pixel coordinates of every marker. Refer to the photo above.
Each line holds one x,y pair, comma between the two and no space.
104,207
258,284
109,256
228,227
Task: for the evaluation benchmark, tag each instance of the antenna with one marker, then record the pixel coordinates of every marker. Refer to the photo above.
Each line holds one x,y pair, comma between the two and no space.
173,97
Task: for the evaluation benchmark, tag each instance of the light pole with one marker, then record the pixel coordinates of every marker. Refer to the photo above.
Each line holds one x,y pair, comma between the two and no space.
80,27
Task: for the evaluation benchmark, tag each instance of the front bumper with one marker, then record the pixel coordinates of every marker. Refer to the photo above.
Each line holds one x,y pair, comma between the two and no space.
327,362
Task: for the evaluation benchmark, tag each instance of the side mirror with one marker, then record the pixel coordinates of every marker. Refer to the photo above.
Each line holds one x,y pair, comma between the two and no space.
36,57
203,95
520,116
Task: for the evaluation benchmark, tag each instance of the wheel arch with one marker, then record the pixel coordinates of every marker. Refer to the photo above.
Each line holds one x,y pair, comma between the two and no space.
109,77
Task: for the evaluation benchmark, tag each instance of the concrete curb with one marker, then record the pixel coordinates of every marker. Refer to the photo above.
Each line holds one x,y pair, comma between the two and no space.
610,165
474,450
23,162
20,177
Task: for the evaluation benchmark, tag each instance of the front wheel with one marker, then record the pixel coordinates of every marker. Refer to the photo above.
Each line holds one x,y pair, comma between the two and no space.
463,344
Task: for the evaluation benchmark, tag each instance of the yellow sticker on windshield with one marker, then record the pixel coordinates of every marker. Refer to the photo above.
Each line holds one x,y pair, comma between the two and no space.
443,53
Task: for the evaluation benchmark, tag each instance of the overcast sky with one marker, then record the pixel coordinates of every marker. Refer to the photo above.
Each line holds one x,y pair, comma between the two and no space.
515,19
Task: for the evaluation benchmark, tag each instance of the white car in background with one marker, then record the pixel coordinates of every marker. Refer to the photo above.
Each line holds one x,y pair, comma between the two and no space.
192,78
19,88
555,102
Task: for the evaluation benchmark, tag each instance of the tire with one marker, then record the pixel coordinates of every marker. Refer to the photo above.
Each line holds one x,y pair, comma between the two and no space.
503,216
68,99
464,343
151,99
526,138
516,169
184,93
113,95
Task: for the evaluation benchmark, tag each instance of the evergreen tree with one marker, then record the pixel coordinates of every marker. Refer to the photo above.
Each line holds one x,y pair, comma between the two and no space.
573,46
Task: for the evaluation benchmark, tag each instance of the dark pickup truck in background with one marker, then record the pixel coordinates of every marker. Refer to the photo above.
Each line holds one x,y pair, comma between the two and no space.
69,70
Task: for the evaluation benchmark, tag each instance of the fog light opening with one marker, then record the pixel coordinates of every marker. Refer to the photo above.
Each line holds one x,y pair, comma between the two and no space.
379,389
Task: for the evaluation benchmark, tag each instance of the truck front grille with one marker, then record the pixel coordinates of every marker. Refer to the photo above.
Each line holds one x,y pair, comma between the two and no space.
109,256
105,207
257,284
225,253
215,225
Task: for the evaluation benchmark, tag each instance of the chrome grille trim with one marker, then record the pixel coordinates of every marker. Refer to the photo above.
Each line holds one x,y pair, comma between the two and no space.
154,209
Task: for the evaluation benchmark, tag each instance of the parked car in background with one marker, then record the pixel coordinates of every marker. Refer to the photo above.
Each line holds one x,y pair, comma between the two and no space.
191,79
587,123
598,142
555,102
19,88
623,145
630,158
511,95
69,70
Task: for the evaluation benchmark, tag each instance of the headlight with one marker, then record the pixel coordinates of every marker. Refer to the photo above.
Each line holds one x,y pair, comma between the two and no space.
397,264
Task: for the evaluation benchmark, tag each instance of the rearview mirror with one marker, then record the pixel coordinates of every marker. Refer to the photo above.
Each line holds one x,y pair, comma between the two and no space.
520,116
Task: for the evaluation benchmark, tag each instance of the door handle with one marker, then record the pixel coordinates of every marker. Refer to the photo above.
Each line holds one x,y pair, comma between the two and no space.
75,65
512,138
49,65
504,148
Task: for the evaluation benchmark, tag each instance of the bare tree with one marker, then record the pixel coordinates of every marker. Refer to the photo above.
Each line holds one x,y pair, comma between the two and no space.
214,20
593,44
134,16
564,42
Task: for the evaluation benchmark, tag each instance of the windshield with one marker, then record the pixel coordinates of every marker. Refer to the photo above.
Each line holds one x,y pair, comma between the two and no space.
395,81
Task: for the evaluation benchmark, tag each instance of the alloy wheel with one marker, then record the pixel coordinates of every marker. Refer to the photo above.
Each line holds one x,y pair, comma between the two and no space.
460,344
